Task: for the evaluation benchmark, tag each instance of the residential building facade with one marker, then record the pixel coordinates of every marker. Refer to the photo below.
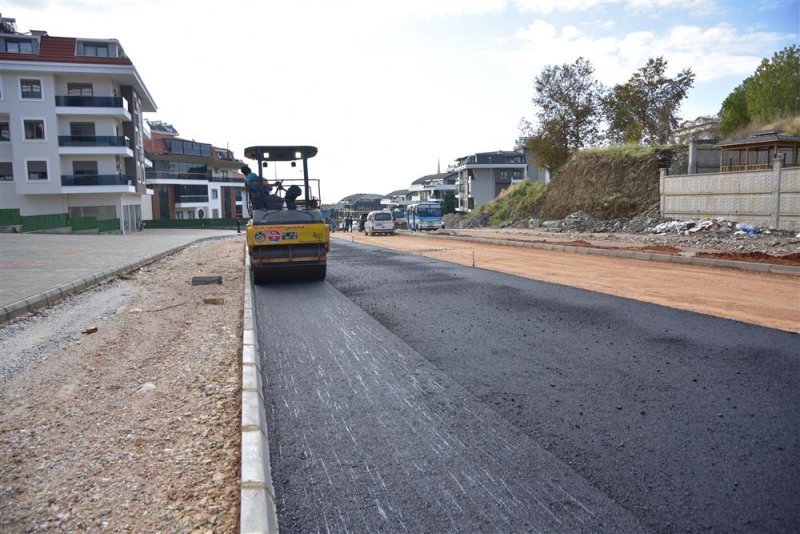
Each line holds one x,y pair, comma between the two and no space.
482,176
192,180
433,186
72,129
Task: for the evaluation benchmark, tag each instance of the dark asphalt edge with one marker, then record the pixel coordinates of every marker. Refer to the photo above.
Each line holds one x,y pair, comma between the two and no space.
628,254
258,511
57,294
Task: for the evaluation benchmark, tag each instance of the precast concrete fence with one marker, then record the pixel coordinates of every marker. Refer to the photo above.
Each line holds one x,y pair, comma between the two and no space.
766,198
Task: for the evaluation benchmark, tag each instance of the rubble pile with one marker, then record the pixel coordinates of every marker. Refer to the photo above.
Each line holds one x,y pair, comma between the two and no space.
717,227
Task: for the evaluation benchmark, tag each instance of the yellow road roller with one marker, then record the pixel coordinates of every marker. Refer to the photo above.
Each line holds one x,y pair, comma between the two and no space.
287,237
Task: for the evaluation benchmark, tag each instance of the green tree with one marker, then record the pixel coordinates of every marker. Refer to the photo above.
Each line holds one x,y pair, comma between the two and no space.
568,101
734,114
772,92
774,89
645,108
449,202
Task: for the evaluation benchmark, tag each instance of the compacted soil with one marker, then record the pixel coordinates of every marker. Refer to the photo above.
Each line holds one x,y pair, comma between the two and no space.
133,427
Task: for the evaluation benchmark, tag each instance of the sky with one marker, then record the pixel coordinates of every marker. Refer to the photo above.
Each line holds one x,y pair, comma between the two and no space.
391,91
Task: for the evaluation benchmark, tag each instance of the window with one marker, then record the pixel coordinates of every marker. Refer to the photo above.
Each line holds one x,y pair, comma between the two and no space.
95,49
37,170
79,89
5,134
77,129
84,168
30,88
214,194
19,46
34,129
6,171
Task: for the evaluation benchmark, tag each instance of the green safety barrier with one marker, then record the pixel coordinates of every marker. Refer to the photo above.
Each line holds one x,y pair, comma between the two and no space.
80,224
10,217
108,225
35,223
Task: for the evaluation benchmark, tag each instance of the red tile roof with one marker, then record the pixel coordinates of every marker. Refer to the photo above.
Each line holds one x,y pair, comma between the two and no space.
156,145
62,50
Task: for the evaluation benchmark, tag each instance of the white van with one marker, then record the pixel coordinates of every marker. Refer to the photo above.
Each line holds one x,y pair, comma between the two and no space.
379,222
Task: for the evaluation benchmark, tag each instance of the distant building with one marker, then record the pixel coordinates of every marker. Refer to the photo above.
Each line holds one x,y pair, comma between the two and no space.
71,127
359,203
482,176
534,173
192,180
703,128
432,186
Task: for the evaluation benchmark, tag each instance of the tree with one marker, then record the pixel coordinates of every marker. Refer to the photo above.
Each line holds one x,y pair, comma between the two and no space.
568,100
734,115
645,108
449,203
772,92
774,89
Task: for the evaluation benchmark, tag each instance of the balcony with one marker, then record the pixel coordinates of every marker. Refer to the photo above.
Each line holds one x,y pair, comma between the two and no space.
189,201
90,145
99,183
167,177
107,106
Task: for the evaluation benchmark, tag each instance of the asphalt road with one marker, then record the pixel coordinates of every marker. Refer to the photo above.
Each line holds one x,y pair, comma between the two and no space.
411,394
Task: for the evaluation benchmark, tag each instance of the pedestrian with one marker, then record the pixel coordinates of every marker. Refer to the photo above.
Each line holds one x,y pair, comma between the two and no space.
348,224
238,224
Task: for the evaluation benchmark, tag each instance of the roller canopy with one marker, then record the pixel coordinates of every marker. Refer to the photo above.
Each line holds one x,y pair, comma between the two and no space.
280,153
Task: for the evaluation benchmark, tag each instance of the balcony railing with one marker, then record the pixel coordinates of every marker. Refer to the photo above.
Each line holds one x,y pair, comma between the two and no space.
165,175
94,140
185,199
90,101
96,179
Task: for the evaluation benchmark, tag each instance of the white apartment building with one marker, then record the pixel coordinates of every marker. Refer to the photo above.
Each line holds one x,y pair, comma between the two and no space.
71,127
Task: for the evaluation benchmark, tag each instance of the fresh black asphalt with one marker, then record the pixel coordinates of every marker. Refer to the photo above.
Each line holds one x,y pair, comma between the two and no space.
409,394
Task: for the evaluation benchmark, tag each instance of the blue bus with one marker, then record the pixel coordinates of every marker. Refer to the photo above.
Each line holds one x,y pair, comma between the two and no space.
426,215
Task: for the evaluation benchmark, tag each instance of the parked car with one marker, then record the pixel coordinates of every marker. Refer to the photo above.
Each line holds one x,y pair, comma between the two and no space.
379,222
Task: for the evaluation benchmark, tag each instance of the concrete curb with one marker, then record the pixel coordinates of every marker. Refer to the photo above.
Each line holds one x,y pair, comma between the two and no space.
56,294
258,507
629,254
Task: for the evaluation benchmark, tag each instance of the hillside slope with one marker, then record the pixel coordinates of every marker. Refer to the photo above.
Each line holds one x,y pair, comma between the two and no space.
617,182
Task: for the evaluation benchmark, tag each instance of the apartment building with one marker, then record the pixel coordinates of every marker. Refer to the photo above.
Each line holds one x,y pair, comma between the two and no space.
482,176
71,127
192,180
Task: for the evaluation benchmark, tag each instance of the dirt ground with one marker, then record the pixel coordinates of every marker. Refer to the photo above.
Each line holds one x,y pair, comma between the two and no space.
769,300
136,427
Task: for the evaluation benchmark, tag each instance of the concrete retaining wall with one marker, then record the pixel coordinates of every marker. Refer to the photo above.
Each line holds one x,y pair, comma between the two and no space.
768,198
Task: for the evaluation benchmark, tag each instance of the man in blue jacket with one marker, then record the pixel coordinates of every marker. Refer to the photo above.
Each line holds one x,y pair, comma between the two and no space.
257,187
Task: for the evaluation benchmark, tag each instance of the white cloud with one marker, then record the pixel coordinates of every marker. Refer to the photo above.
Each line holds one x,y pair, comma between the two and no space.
687,7
546,7
712,53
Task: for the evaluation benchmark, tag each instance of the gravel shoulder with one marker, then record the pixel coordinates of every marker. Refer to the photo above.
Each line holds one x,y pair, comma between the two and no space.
135,427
